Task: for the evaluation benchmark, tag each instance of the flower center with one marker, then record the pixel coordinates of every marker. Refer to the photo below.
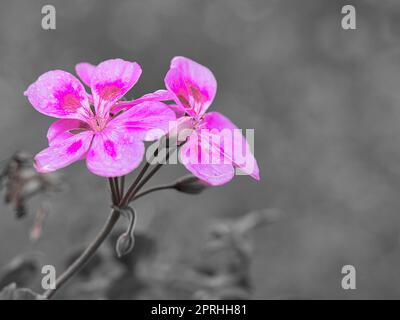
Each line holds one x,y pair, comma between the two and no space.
97,123
198,122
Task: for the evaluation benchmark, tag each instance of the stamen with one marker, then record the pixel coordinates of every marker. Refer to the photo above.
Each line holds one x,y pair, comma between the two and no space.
93,109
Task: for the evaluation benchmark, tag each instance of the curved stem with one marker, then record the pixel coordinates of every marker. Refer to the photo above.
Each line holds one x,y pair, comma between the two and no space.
86,255
118,201
153,189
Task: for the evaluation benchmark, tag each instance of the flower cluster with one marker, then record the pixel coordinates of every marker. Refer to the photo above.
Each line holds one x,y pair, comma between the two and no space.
110,133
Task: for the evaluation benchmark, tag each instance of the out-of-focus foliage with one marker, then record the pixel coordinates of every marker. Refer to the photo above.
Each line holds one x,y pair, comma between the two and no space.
22,182
11,292
220,271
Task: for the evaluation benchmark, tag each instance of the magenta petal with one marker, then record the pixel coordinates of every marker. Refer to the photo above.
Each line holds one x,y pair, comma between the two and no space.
159,95
85,70
58,94
114,153
193,85
111,80
146,121
61,130
181,129
64,153
239,150
214,174
178,109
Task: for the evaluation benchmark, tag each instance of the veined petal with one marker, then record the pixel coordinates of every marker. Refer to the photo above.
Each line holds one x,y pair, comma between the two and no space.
114,153
110,81
192,156
232,143
59,94
178,109
64,153
181,129
61,130
193,85
148,121
159,95
85,70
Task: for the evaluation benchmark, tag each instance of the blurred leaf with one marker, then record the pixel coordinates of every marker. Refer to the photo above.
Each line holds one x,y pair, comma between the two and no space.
11,292
21,270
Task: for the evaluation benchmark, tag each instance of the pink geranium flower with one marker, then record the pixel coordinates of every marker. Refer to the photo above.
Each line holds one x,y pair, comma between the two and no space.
112,145
193,88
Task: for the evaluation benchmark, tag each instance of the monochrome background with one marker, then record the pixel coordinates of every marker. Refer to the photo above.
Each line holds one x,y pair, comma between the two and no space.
325,106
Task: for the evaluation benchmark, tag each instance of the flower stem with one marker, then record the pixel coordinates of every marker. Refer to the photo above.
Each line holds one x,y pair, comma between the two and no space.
119,201
122,187
131,196
86,255
114,196
144,181
117,192
125,199
153,189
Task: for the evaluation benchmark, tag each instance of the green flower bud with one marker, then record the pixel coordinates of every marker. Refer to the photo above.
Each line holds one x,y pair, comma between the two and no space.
125,244
190,184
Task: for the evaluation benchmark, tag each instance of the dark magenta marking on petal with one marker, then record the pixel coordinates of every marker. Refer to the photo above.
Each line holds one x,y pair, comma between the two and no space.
70,102
110,148
195,92
183,100
109,91
73,148
68,98
191,90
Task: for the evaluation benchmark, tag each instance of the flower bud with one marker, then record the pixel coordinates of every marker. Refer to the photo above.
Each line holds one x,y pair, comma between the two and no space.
125,244
126,241
190,184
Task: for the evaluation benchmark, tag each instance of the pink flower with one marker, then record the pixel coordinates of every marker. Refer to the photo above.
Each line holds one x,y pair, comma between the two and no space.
112,145
193,88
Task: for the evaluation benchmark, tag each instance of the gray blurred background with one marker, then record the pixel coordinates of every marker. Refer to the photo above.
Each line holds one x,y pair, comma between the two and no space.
324,103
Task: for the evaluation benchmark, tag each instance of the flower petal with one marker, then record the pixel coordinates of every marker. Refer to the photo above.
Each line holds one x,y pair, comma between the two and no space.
110,81
61,130
114,153
64,153
238,148
159,95
59,94
178,109
193,85
181,129
191,156
147,121
85,70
